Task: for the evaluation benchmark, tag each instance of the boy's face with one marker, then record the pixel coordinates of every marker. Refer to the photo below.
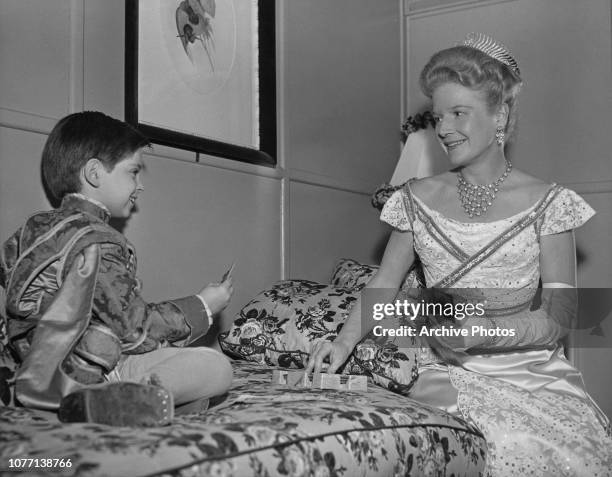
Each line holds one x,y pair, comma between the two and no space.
119,188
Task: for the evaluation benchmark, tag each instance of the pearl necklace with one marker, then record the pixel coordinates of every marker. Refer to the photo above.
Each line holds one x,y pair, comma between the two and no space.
476,198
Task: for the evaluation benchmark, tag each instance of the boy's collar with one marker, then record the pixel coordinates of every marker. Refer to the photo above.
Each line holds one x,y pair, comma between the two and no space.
86,204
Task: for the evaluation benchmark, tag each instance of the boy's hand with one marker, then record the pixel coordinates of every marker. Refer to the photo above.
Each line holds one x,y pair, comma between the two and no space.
217,295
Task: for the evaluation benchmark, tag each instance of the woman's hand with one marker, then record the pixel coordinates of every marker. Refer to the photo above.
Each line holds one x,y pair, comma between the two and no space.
336,351
396,261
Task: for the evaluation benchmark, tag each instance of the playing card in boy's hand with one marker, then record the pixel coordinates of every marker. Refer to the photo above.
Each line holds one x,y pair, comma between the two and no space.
227,274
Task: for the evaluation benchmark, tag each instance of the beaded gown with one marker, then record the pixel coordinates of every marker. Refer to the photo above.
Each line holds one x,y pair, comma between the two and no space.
530,405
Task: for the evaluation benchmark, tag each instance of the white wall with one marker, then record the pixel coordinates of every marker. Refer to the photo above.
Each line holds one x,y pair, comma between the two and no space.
564,52
338,120
341,93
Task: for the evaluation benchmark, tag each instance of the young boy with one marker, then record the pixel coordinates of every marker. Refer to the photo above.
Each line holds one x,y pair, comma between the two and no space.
92,163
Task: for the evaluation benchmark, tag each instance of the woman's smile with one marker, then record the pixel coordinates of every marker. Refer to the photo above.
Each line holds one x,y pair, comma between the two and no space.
451,145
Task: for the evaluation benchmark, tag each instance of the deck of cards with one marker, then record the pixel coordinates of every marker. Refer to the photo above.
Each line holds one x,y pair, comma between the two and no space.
298,378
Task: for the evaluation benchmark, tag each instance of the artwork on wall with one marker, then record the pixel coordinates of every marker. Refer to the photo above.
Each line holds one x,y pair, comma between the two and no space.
200,75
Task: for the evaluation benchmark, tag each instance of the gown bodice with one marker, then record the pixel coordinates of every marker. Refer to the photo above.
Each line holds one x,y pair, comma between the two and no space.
530,404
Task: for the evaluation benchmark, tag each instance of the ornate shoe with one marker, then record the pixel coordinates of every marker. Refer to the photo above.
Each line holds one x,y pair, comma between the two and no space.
119,404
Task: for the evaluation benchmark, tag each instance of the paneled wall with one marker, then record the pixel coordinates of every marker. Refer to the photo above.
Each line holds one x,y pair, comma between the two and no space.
564,52
338,81
339,107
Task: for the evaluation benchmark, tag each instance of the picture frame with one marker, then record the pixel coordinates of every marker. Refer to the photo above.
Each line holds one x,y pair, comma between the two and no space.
200,75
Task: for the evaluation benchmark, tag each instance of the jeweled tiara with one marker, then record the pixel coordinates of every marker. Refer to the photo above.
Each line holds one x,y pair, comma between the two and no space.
490,47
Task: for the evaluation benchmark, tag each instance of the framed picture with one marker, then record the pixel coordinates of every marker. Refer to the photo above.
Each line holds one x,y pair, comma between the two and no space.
200,75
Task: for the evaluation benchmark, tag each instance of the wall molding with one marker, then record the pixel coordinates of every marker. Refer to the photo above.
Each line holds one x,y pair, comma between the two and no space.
309,178
285,229
35,123
25,121
422,8
281,160
38,124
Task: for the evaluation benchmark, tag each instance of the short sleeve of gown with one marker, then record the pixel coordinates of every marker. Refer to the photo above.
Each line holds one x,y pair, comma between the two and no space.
394,212
567,211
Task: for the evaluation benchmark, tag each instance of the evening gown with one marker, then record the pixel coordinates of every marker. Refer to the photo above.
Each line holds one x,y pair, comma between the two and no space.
530,405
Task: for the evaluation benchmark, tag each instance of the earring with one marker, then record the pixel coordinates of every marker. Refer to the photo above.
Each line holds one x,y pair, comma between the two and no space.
500,136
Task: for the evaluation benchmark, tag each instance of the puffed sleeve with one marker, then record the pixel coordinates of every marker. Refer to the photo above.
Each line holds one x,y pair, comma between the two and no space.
394,211
567,211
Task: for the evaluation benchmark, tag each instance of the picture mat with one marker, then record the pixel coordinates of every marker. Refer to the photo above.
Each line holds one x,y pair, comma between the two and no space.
187,96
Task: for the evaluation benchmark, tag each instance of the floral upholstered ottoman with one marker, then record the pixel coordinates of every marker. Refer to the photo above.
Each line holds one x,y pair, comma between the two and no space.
259,429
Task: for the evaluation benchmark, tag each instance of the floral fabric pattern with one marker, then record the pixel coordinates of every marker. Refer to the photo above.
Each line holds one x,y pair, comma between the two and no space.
8,365
34,262
260,429
280,326
349,273
352,274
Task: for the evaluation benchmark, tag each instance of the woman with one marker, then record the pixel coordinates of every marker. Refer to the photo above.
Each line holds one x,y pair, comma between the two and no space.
487,230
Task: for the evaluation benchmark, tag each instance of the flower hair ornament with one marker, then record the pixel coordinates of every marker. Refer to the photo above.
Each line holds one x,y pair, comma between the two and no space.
495,50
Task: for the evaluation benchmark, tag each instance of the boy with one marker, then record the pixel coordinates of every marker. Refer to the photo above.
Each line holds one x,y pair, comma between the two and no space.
92,163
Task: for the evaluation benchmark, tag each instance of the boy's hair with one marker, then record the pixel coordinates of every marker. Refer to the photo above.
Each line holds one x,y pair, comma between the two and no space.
478,71
79,137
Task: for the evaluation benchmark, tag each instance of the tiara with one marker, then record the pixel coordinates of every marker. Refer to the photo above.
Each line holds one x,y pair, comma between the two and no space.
490,47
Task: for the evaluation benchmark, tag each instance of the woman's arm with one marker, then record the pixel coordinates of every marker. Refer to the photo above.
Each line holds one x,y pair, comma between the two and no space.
558,258
556,315
397,259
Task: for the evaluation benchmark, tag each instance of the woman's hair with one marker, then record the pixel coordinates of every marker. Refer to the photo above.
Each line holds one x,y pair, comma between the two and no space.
478,71
79,137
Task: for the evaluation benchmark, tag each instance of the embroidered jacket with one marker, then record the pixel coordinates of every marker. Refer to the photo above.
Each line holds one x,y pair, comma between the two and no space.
34,262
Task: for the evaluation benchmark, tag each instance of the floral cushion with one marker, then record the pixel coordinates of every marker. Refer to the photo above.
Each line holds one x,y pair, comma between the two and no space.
349,273
280,326
259,429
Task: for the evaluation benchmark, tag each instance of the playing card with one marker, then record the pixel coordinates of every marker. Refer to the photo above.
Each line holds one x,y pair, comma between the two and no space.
229,272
